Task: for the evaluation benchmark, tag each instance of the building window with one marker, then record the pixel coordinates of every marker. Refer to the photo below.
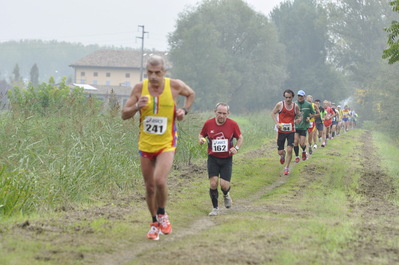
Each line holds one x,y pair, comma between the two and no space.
108,74
127,75
82,81
82,73
127,83
95,74
107,83
94,82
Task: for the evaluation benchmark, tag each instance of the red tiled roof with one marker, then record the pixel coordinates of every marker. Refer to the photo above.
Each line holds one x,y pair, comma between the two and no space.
118,59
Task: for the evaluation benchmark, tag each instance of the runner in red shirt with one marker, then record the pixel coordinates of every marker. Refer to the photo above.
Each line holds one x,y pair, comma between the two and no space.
285,125
220,132
327,121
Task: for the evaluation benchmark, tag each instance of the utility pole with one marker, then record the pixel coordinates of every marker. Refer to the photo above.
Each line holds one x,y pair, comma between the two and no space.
142,51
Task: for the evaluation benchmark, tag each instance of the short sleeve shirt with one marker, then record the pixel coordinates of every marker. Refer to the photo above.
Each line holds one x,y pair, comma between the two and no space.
220,137
306,108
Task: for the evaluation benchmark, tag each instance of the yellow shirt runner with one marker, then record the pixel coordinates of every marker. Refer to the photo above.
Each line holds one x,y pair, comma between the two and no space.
158,131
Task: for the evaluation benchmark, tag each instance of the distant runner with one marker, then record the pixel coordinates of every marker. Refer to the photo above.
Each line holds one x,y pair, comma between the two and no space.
319,121
352,115
312,125
339,120
335,121
307,111
220,132
286,112
345,118
329,114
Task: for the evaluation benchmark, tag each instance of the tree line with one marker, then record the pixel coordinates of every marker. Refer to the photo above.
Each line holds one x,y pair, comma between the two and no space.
340,50
51,58
331,49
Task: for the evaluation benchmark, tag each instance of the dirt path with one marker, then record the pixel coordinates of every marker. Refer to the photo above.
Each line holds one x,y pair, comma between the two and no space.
379,217
378,214
129,253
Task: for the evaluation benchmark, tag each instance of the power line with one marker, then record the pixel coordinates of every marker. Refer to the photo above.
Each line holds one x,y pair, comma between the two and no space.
142,50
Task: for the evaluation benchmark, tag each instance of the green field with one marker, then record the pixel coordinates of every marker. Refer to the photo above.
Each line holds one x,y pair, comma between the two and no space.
71,193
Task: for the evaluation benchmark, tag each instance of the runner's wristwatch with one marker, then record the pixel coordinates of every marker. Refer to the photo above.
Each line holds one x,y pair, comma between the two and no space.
185,111
236,147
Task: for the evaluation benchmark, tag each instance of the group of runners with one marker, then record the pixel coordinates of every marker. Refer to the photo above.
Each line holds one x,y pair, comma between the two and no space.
296,121
155,100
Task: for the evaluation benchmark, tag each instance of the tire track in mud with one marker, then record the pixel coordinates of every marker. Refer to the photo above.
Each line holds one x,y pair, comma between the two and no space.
201,224
378,214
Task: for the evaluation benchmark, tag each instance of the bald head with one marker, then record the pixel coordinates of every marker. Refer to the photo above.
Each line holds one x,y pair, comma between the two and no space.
156,60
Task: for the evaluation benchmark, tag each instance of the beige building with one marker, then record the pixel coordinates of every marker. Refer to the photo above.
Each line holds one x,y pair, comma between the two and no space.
116,70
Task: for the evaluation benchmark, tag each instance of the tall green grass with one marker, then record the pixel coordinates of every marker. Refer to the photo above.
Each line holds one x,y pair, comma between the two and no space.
70,151
61,147
14,191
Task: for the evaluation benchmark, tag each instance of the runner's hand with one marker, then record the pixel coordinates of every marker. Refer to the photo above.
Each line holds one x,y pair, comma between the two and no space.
233,151
142,102
202,141
180,113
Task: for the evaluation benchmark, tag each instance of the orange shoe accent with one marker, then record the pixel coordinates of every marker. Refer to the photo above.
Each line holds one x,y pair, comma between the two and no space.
154,231
164,224
286,171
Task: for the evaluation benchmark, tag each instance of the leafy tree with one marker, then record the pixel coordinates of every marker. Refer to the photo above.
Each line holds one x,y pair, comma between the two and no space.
34,75
49,55
48,99
16,75
393,51
228,52
303,28
16,78
356,27
4,87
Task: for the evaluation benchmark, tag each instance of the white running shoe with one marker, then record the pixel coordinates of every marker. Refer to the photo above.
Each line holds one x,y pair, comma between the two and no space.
315,146
214,212
227,200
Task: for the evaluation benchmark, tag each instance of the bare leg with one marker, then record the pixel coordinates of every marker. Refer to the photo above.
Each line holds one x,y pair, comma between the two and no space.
289,156
155,174
310,138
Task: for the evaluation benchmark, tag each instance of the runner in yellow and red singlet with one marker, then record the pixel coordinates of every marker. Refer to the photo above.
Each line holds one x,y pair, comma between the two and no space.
312,125
155,98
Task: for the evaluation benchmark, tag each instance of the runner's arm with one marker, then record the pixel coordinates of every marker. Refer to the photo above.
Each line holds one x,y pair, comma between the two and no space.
134,103
233,150
240,140
201,139
276,109
317,112
299,115
189,94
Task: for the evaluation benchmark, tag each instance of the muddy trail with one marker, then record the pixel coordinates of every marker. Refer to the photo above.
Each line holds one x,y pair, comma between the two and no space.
377,213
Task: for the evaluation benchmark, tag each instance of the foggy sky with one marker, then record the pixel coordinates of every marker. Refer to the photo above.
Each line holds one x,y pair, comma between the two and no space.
98,22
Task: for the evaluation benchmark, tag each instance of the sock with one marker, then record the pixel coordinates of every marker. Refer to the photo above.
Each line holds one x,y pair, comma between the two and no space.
225,192
154,219
333,134
303,148
214,197
161,210
296,149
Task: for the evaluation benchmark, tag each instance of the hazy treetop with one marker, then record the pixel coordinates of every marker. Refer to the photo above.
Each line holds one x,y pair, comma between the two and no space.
99,22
